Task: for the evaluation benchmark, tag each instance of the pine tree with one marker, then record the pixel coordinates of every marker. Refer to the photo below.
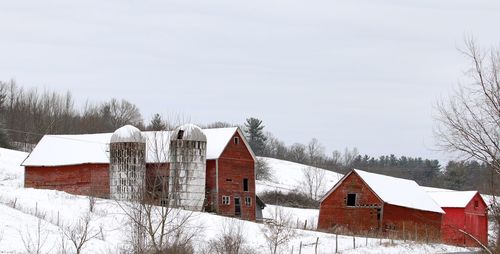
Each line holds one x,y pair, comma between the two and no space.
255,135
157,124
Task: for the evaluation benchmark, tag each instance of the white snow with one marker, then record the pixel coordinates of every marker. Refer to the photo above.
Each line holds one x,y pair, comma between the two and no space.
11,171
127,133
191,132
56,150
452,198
56,208
400,192
288,176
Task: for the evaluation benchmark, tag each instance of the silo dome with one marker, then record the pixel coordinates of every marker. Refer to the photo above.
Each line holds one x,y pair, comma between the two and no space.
188,132
127,134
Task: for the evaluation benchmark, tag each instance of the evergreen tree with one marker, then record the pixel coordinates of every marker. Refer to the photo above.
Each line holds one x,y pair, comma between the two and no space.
157,124
255,135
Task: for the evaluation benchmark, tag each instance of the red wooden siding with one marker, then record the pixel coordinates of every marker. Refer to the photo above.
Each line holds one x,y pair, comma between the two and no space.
372,215
334,211
472,219
84,179
235,164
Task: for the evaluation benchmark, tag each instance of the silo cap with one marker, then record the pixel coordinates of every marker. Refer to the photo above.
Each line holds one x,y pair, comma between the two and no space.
127,134
188,132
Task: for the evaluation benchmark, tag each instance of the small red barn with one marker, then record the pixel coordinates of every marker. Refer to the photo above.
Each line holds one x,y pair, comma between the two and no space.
79,164
368,203
465,211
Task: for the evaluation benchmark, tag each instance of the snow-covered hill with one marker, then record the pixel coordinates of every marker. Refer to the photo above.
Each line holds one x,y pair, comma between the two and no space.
11,172
21,208
289,176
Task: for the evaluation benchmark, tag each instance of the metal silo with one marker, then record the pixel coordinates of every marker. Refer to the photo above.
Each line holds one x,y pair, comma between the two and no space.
127,167
188,149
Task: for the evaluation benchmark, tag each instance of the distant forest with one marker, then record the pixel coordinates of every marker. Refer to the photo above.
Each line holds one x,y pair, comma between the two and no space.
26,115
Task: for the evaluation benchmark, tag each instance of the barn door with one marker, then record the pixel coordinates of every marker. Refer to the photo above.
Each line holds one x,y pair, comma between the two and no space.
237,207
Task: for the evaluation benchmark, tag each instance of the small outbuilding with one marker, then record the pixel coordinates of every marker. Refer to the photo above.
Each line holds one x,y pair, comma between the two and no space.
368,203
466,216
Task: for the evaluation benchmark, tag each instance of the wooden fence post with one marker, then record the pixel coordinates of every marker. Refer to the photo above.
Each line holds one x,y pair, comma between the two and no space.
300,247
316,247
354,241
336,243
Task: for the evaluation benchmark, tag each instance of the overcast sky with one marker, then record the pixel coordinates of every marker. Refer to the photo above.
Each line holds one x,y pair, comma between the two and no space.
357,73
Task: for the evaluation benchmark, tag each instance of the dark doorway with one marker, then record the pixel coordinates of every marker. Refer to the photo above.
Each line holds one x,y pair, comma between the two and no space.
237,207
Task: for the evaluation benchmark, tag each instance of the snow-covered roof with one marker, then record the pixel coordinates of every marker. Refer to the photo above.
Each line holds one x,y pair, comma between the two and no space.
55,150
127,133
400,192
450,198
189,132
395,191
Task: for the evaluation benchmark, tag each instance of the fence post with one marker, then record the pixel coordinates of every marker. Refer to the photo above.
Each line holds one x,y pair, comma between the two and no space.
305,224
366,241
316,247
336,243
300,247
404,232
36,209
354,241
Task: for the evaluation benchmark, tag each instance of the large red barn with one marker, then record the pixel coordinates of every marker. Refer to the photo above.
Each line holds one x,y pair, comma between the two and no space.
465,211
79,164
368,203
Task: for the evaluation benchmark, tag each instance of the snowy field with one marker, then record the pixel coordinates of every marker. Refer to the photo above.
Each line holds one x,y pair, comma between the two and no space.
288,176
20,210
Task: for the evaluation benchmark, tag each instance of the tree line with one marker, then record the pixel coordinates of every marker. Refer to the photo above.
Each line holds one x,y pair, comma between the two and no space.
27,114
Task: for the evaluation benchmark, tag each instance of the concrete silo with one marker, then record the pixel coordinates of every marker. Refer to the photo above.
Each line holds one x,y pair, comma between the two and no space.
127,167
188,148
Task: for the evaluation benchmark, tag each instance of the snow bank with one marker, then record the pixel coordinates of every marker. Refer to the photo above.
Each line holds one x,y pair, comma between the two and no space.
288,176
11,171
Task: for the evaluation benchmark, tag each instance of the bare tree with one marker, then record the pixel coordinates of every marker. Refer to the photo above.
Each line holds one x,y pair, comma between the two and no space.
80,232
34,242
262,170
469,122
313,181
278,232
230,240
315,152
155,225
349,156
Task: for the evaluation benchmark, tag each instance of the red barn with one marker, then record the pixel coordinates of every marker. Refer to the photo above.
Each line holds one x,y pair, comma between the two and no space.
465,211
79,164
368,203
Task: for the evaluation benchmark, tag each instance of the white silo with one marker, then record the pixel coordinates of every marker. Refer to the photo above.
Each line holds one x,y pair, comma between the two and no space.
188,149
127,167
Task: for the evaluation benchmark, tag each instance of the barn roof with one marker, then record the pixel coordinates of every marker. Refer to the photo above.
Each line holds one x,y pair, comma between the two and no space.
395,191
451,198
57,150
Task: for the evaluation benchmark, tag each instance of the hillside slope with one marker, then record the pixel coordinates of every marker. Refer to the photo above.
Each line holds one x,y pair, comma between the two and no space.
289,176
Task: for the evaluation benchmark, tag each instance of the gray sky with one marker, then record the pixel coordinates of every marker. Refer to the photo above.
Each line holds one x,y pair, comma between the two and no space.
359,73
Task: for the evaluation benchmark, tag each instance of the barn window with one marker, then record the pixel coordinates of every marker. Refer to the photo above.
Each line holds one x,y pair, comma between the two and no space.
180,134
229,180
248,201
476,204
245,184
226,200
236,140
351,199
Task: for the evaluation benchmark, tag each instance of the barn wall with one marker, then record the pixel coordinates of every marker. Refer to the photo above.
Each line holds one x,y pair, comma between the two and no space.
472,219
334,211
211,187
453,220
84,179
235,164
411,223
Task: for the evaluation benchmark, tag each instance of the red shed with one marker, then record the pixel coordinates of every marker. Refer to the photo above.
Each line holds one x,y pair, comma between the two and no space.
368,203
465,211
79,164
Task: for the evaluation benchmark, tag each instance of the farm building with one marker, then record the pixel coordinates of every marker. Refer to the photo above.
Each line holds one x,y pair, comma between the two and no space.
213,168
465,211
368,203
